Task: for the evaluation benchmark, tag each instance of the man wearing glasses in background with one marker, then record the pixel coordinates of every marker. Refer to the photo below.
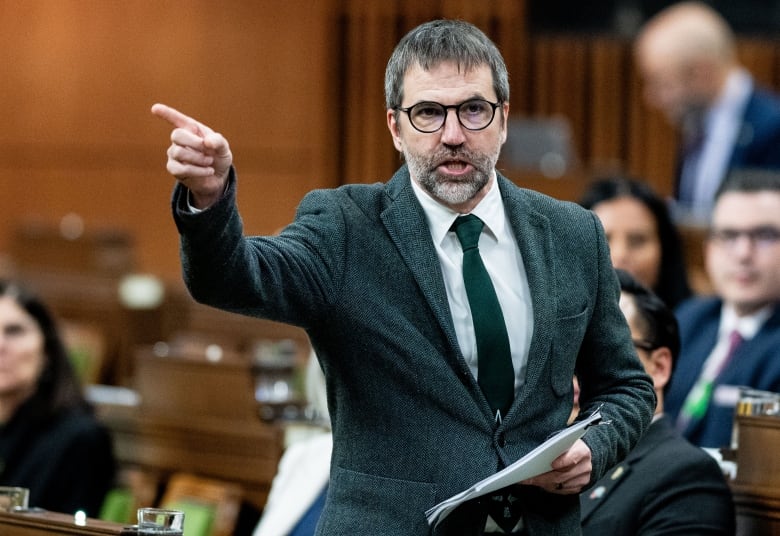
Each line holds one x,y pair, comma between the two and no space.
733,339
432,383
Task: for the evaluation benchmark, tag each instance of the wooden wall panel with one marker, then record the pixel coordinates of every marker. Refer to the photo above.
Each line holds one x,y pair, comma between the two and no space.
760,57
79,77
297,87
606,102
371,30
560,74
651,141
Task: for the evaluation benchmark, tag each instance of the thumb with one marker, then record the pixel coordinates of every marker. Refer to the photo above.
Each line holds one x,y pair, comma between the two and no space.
217,143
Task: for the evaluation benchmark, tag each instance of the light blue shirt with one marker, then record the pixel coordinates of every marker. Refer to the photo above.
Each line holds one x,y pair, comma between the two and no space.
723,123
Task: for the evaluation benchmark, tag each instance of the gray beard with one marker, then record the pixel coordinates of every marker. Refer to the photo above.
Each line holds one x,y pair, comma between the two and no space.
451,192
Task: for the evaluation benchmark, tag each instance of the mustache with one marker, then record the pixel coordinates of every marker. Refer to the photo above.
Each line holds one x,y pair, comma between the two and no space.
460,155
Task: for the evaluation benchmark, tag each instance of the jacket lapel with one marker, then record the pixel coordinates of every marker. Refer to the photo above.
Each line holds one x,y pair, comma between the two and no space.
598,494
532,232
592,499
405,222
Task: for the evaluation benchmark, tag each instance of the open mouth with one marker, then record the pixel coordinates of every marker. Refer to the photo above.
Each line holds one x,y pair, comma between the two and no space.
454,167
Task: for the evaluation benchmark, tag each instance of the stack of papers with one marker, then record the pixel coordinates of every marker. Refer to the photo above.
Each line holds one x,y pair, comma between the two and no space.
534,463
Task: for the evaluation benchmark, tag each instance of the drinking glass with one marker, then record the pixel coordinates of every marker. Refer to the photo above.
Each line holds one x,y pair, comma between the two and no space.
160,522
754,402
13,498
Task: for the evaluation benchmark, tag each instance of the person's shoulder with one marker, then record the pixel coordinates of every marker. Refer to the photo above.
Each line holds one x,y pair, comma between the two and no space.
358,193
763,109
77,424
543,204
674,452
766,97
698,306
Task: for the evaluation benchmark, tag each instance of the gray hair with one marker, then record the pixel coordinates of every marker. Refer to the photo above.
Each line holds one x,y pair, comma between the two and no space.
432,43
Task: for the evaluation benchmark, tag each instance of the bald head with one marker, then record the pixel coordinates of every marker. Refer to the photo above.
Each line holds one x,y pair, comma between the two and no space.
685,54
688,30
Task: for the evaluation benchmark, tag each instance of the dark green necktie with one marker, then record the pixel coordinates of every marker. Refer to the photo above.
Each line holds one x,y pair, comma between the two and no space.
495,373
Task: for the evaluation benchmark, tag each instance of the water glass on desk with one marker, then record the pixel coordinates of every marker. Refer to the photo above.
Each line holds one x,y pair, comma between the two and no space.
13,498
160,522
754,402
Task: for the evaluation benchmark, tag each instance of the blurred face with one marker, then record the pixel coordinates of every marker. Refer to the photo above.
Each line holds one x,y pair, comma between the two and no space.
743,251
656,361
628,308
21,350
453,165
670,85
668,88
632,234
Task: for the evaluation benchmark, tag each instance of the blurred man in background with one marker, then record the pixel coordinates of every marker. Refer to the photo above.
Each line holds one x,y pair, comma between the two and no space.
687,57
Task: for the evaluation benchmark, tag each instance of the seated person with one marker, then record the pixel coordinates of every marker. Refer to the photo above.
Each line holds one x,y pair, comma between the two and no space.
665,485
731,340
299,488
643,239
50,442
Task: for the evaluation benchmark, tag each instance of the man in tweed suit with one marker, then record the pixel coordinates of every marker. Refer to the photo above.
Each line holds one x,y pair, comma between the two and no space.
372,272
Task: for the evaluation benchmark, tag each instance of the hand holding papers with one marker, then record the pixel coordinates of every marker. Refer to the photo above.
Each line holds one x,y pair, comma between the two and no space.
534,463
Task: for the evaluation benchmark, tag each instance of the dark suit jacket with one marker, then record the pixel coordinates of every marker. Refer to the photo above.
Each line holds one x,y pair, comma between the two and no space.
66,461
759,134
755,363
358,270
665,486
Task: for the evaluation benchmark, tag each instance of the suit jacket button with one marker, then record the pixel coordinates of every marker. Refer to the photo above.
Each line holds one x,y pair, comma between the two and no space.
502,441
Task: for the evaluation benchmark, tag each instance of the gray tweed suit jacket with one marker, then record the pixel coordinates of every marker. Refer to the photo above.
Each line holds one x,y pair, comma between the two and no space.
358,271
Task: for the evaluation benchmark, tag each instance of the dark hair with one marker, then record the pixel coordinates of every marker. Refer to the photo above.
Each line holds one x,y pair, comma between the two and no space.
672,286
655,320
750,180
58,386
437,41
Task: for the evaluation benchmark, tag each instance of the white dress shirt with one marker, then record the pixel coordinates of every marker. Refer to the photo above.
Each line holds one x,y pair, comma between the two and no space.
504,263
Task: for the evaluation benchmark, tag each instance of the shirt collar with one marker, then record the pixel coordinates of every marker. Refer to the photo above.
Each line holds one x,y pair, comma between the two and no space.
440,218
747,326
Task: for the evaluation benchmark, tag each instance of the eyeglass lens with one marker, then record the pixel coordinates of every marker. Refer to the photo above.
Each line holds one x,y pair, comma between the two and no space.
763,236
474,114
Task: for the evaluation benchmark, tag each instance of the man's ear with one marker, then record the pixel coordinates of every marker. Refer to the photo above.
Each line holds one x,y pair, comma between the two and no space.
660,367
504,111
393,127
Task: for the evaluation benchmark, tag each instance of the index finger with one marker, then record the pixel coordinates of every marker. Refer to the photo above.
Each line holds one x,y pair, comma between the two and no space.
178,119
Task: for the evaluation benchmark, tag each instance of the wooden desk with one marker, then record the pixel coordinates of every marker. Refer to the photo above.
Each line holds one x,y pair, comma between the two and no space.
244,452
756,489
42,523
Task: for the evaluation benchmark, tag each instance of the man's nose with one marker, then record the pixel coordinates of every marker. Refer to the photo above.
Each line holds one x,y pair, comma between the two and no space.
744,245
619,254
452,131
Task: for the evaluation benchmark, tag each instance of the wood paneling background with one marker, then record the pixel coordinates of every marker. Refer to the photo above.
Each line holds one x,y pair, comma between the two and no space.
297,87
78,79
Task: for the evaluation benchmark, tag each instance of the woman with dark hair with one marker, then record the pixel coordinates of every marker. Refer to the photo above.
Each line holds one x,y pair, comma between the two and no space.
50,442
642,238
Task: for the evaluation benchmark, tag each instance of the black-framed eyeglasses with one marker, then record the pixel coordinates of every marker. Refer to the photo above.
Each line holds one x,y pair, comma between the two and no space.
644,345
763,236
473,114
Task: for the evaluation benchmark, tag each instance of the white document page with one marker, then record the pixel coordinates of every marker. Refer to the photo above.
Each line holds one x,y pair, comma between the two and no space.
534,463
